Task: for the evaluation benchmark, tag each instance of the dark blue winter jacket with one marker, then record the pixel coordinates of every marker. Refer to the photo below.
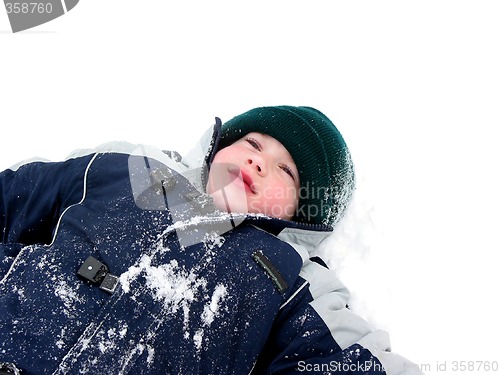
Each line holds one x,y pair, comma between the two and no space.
113,262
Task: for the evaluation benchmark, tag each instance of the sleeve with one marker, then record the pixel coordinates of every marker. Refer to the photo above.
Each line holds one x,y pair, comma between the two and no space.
318,334
32,197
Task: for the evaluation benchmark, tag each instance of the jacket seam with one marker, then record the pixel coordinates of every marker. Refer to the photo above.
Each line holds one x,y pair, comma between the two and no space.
13,265
84,195
306,283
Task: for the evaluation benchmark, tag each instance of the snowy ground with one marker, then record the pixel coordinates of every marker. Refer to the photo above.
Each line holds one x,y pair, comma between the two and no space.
414,87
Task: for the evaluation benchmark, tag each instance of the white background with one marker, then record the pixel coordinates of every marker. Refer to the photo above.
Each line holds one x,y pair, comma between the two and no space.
413,86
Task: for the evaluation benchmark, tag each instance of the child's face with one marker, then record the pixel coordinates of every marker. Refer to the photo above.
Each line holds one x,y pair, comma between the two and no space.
255,174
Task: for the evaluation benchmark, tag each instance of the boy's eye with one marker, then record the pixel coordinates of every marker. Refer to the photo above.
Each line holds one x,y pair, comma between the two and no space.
288,171
254,144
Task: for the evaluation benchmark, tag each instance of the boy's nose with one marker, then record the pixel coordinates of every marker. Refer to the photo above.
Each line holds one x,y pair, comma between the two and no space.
258,164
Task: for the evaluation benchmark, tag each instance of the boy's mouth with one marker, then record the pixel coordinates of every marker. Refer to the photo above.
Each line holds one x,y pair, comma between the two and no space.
247,180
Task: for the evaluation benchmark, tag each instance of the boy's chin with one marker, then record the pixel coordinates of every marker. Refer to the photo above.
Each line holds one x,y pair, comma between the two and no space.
230,201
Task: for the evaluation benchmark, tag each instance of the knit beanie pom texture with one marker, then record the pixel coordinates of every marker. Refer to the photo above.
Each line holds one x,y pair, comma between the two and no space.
318,149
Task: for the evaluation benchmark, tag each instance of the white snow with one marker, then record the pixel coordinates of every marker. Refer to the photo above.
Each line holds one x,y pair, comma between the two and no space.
69,296
412,86
151,355
167,282
177,288
210,311
123,330
198,338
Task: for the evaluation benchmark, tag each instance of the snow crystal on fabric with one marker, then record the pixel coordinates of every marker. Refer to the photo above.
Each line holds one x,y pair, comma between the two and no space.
177,288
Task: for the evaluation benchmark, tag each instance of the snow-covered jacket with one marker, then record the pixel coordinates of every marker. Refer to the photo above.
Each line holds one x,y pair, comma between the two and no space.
114,262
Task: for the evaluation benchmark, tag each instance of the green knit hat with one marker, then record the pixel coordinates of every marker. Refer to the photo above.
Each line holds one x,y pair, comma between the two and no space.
323,160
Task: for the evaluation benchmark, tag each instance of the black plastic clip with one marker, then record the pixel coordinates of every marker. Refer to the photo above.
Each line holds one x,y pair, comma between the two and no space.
98,273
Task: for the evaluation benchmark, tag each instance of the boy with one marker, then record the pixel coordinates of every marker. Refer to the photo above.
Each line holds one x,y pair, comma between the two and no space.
131,260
